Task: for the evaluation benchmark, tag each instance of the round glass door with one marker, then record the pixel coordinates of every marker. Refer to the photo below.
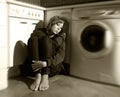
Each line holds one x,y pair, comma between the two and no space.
96,40
92,38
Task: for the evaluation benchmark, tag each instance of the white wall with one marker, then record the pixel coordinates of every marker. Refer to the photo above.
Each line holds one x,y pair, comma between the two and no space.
3,45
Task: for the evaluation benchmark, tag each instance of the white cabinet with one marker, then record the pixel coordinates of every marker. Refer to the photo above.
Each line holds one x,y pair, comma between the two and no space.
19,29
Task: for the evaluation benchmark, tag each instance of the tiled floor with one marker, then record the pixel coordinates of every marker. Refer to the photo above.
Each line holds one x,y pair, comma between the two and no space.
60,86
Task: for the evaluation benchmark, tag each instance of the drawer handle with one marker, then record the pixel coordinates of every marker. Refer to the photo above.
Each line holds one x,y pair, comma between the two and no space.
84,18
34,23
23,22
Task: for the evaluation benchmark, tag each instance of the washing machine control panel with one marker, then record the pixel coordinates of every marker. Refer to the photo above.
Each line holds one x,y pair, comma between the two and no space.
78,13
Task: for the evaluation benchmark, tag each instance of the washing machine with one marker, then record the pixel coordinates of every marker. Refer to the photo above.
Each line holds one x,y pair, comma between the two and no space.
95,45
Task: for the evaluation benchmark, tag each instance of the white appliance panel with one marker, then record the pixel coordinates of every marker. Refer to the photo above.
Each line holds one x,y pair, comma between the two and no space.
19,29
102,69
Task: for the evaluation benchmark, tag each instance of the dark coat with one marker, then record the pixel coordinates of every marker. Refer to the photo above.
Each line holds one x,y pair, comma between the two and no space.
59,41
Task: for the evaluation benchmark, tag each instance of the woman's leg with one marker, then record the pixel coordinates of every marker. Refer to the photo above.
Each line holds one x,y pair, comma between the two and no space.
46,48
44,85
55,70
46,51
33,52
35,85
33,48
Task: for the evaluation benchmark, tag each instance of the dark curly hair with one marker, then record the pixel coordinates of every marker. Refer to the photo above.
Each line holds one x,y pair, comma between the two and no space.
54,20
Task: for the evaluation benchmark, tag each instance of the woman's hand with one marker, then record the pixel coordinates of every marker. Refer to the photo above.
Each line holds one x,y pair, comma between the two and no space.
43,63
38,64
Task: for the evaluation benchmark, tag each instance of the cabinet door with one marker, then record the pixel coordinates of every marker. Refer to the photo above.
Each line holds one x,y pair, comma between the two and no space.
18,30
32,24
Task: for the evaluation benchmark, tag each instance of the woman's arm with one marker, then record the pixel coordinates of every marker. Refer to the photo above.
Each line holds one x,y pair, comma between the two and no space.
33,43
59,39
60,53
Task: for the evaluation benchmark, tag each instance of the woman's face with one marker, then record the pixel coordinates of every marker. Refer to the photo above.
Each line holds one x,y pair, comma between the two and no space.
56,28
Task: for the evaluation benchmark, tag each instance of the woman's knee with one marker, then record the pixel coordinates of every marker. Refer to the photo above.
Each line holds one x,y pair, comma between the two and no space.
32,40
47,48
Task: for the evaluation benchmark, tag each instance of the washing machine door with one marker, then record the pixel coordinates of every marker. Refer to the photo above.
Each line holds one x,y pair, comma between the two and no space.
96,39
